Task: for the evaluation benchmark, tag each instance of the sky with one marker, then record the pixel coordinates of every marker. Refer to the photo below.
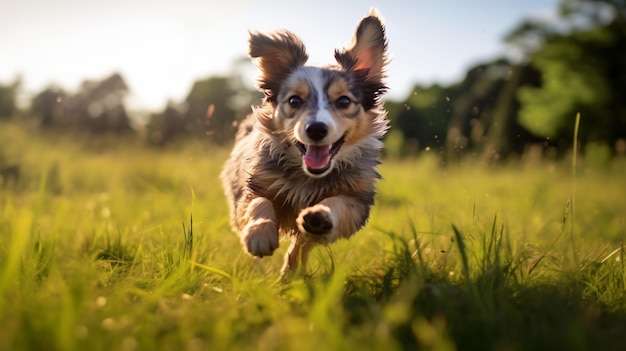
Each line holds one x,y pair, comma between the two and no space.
162,47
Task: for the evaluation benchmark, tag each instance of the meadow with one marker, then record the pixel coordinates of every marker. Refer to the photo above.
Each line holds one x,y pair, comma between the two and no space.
107,244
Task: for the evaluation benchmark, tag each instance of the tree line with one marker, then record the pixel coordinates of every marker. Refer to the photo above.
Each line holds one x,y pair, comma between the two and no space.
502,108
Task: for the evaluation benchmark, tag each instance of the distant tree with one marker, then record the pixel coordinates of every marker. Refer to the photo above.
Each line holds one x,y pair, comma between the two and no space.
212,109
577,64
527,37
208,109
163,127
47,106
485,111
98,107
593,13
216,105
476,116
423,118
505,135
583,70
473,107
8,99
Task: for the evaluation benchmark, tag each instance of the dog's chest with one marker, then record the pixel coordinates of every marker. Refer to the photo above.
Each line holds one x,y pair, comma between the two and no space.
290,188
296,192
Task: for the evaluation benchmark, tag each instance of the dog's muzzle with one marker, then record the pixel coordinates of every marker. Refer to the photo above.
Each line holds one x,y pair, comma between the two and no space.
317,158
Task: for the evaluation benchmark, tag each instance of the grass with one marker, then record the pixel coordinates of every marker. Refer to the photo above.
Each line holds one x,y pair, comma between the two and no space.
109,245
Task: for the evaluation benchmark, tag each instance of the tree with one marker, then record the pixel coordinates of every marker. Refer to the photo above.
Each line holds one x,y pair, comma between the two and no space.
423,118
8,99
583,71
216,105
212,110
98,107
476,116
208,109
47,106
165,126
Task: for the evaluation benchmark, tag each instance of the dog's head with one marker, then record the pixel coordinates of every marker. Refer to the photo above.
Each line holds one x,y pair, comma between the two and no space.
321,111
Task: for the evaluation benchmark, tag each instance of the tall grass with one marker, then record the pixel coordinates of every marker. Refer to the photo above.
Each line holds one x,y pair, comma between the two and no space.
93,256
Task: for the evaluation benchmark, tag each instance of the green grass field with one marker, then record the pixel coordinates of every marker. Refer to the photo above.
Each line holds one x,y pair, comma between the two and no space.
109,245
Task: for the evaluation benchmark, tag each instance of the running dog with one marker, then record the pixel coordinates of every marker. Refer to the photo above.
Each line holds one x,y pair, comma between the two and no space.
304,162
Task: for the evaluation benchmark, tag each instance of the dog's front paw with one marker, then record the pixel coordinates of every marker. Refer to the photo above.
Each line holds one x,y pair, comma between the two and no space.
316,220
260,237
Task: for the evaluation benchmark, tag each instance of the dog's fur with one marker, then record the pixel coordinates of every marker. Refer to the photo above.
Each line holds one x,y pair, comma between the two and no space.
304,162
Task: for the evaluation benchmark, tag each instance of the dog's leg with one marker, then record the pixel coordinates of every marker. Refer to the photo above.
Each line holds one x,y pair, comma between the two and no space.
259,235
296,255
333,218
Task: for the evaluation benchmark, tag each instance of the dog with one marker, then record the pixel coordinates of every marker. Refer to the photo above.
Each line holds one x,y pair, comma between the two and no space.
304,162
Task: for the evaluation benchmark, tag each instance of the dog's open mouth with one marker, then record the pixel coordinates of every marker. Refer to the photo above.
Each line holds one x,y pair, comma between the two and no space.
317,158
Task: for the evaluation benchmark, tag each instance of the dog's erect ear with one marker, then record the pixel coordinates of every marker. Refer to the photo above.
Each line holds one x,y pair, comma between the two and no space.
276,55
368,49
367,53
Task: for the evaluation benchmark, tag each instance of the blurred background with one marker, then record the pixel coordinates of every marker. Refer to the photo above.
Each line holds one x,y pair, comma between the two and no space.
490,80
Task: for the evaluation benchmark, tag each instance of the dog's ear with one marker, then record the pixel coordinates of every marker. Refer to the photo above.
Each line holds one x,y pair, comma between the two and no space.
367,55
368,49
276,55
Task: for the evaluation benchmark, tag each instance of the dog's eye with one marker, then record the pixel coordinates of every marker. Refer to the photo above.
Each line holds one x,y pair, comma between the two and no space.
343,102
295,101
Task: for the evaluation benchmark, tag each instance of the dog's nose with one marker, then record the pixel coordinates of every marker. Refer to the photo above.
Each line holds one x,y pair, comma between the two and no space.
316,130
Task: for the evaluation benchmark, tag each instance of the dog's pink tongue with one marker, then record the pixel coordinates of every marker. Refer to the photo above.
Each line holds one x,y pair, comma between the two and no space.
317,157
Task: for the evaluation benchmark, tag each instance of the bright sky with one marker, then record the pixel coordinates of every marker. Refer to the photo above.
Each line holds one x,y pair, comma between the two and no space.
161,47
